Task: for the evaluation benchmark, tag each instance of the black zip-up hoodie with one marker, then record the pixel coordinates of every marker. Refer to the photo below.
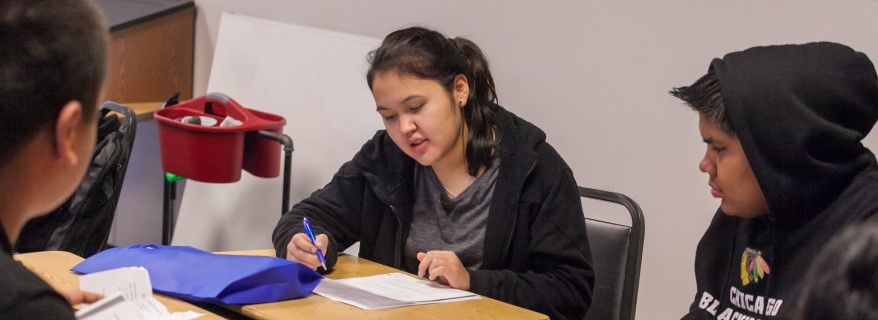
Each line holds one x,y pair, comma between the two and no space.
800,112
536,253
23,294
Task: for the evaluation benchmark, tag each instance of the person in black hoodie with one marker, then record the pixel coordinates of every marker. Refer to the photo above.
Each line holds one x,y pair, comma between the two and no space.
456,188
783,127
52,66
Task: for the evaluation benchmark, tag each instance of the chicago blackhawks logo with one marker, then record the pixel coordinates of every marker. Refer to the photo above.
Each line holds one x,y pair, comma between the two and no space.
753,267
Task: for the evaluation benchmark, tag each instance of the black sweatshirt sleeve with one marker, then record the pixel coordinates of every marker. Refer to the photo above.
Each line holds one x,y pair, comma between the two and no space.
560,277
333,211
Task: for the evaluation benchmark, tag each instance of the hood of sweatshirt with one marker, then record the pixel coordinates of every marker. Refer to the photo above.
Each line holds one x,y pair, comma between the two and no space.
801,112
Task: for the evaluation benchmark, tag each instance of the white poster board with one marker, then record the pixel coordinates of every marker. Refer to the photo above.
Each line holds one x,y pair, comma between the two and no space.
314,78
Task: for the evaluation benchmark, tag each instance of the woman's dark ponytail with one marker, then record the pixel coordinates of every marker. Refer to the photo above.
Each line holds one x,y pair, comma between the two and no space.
481,110
428,54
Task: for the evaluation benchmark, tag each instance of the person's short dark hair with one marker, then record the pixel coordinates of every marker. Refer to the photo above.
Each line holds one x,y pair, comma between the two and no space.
706,97
51,52
428,54
842,282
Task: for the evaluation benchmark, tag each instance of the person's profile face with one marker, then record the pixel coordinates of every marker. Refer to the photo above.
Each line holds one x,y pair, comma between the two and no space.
731,178
88,136
88,132
71,154
419,115
85,144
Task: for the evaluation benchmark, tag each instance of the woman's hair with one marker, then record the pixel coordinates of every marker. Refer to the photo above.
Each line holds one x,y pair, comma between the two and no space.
428,54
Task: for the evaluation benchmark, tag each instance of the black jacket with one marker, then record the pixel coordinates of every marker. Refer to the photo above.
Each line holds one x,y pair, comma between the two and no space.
536,252
800,112
23,295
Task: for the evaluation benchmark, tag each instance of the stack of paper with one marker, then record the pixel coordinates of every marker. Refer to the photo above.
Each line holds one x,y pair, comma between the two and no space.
127,295
389,290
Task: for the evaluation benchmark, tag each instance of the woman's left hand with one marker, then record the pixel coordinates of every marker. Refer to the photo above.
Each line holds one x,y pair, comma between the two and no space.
445,266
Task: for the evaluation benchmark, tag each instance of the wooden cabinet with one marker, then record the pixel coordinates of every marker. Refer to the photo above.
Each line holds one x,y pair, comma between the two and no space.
151,49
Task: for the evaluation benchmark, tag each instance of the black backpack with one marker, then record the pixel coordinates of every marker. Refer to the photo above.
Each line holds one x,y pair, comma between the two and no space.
82,224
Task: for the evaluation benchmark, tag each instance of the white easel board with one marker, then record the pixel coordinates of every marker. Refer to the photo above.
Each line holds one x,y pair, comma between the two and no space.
314,78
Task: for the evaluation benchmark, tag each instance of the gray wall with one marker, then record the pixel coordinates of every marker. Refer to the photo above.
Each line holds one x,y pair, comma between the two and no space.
594,76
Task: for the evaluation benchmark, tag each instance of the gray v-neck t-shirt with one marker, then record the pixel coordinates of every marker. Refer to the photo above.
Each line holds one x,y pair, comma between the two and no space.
456,225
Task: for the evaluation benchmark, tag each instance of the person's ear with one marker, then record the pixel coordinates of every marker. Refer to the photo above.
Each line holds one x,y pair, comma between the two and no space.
67,128
461,90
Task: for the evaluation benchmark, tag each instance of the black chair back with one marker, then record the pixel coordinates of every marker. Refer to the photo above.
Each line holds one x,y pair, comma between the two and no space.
81,225
616,251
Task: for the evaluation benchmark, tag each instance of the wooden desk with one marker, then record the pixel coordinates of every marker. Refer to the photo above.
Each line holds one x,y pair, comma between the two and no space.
54,268
318,307
151,49
144,110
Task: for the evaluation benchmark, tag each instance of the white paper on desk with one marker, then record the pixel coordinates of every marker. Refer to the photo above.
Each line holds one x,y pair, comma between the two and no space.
388,290
127,295
112,306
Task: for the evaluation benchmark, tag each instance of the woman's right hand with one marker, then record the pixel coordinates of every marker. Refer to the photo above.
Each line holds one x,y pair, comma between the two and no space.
301,250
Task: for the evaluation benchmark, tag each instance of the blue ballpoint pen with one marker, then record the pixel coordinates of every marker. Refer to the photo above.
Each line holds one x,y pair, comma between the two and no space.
310,234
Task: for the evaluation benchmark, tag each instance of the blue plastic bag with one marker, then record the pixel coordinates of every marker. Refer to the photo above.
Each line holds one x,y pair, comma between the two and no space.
195,275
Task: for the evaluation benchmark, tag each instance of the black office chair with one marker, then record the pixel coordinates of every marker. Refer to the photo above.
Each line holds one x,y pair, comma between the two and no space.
82,224
616,252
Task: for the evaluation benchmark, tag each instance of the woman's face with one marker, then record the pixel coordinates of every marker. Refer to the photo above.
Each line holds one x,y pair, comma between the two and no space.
421,116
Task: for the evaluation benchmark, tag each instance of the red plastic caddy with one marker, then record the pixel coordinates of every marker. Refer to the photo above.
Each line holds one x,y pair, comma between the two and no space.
209,152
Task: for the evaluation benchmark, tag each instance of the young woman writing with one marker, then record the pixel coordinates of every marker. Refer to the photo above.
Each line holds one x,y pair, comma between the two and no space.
455,188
